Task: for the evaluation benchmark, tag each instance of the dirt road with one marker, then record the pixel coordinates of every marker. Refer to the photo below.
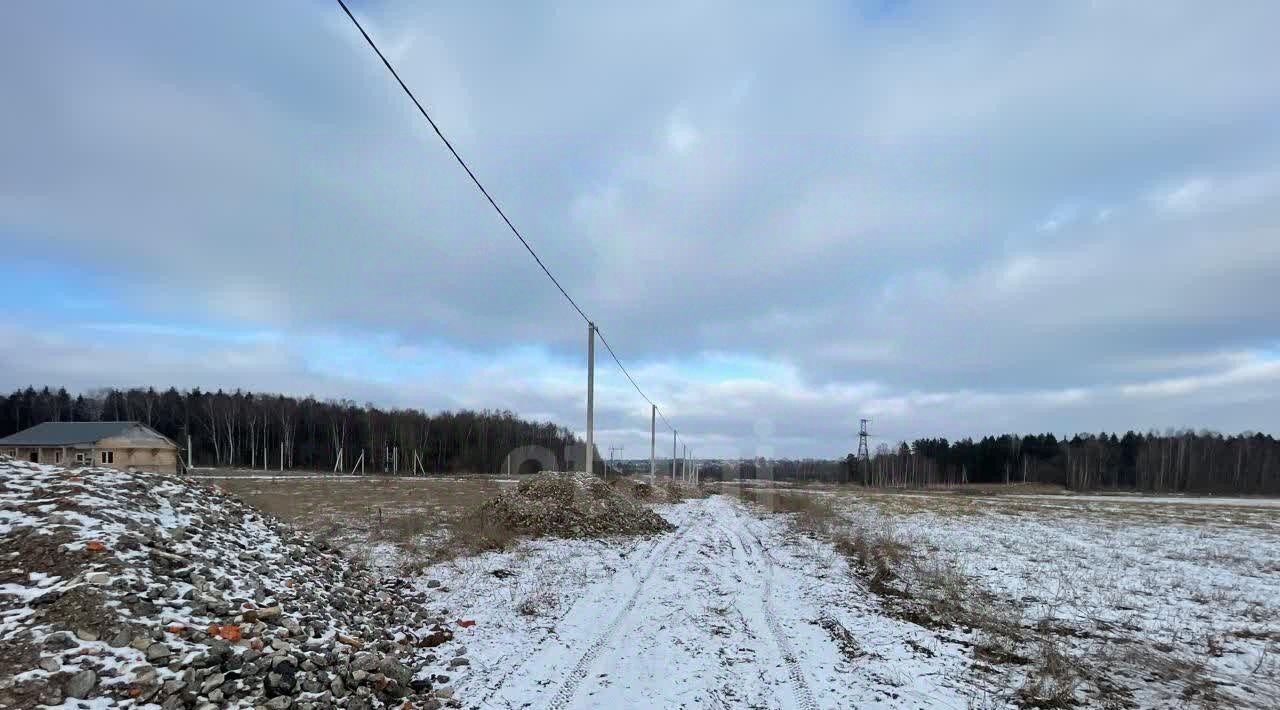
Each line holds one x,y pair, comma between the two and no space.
731,610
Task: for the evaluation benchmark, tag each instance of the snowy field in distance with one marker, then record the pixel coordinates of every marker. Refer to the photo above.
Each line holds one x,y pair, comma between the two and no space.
1177,598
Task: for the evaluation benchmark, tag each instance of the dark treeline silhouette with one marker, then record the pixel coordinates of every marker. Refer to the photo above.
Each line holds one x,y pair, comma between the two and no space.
1193,462
240,428
822,470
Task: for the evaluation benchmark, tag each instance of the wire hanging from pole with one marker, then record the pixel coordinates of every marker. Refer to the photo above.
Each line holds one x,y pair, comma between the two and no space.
493,203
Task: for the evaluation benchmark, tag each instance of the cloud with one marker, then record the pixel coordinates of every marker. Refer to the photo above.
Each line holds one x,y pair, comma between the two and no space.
991,213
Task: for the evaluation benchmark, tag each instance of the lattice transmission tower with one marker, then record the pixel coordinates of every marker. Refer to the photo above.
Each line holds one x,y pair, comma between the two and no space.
864,454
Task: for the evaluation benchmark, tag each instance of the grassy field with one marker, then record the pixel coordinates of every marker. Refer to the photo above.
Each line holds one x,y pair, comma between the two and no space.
1123,601
389,519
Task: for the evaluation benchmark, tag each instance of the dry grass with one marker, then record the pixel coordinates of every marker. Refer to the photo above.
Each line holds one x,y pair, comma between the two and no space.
402,523
1054,682
915,585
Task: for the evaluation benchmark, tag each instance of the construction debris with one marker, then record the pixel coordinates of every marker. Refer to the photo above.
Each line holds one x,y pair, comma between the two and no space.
137,589
569,505
662,490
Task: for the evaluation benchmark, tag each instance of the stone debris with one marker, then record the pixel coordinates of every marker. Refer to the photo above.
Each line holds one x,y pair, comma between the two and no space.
664,490
144,590
569,505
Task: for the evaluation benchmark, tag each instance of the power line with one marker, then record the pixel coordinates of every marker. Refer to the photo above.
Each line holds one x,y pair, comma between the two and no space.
461,162
632,379
510,225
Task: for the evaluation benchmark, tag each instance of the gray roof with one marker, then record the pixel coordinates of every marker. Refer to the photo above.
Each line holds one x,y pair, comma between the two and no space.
66,433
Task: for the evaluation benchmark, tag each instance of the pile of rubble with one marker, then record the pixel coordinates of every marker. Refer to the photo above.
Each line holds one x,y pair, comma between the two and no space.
570,505
133,589
663,490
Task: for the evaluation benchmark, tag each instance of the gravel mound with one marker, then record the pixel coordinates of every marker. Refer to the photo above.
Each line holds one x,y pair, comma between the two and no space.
663,491
570,505
134,589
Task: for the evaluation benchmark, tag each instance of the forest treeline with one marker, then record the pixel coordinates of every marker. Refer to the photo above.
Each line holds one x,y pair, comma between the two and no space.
240,428
1190,462
1185,461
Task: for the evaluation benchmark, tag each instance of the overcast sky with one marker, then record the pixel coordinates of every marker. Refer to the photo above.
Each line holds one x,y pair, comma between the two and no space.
952,218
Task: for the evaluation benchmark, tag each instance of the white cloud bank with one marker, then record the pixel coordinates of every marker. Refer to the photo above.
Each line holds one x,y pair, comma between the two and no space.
1054,216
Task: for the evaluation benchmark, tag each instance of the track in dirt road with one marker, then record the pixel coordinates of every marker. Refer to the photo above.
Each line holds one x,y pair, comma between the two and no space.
578,673
721,613
751,544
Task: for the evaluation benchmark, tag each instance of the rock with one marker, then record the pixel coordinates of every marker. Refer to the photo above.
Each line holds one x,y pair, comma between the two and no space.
120,638
60,640
280,703
211,683
86,635
420,685
51,695
432,584
81,684
157,651
337,688
50,664
459,662
282,679
396,671
444,693
98,578
270,612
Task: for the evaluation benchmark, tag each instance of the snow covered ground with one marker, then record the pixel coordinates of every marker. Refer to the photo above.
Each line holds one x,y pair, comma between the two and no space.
1176,600
733,609
1169,603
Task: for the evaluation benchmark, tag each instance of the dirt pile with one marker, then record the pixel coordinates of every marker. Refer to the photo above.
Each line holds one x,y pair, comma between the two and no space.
141,589
663,490
675,491
570,505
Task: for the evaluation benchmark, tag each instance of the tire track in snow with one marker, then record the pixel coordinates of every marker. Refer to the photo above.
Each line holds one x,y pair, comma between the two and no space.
733,581
573,679
799,685
526,655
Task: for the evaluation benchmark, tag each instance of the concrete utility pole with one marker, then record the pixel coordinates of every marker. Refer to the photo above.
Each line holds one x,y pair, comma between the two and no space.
674,434
684,462
188,451
591,395
653,441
